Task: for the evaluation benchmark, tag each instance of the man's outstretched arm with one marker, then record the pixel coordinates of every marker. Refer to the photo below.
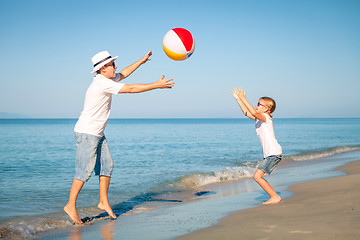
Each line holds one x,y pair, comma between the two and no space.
130,69
138,88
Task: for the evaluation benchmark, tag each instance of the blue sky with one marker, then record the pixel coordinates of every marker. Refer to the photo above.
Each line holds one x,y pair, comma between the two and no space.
304,54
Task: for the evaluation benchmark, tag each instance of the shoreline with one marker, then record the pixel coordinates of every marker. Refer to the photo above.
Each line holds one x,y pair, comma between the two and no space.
320,209
184,219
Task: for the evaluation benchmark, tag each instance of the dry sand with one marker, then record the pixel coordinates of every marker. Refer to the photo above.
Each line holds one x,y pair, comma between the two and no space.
323,209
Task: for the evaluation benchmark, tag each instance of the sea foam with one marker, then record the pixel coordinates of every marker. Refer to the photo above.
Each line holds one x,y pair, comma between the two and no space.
227,174
310,155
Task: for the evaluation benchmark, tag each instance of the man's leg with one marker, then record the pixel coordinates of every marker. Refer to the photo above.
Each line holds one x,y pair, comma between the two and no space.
104,205
70,207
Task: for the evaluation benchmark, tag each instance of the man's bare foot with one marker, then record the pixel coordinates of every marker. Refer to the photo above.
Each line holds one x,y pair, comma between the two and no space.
273,200
107,208
72,213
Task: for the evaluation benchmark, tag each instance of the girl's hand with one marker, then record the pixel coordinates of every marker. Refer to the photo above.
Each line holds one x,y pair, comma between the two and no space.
238,93
241,93
235,94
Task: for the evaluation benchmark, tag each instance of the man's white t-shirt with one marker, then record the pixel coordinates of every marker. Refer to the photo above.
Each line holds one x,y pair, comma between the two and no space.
266,135
94,117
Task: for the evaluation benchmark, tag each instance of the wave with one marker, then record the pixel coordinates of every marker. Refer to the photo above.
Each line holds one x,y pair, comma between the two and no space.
227,174
247,170
27,227
311,155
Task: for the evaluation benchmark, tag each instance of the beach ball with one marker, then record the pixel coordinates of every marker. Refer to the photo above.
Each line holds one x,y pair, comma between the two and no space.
178,44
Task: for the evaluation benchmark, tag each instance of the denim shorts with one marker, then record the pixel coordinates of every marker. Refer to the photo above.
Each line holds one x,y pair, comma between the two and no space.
269,163
92,153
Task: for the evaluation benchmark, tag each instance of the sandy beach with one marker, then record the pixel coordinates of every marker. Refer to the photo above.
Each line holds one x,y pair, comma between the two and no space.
326,206
322,209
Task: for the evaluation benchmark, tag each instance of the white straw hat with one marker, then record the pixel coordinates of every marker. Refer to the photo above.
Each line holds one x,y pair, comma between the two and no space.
101,59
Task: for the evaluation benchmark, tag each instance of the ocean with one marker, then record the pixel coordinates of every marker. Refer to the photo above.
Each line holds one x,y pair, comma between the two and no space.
152,158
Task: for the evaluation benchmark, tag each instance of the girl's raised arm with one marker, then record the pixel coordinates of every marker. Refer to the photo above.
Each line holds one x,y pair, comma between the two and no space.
242,95
236,94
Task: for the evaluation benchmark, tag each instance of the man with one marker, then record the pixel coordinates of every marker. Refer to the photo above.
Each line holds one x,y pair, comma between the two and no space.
92,151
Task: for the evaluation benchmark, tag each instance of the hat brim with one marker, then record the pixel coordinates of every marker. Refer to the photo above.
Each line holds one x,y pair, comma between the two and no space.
103,64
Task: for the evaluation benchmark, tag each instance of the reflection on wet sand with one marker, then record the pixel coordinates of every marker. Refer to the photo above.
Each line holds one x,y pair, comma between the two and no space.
107,231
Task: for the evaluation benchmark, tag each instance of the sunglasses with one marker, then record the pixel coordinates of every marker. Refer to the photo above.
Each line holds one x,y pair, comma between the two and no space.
108,65
259,104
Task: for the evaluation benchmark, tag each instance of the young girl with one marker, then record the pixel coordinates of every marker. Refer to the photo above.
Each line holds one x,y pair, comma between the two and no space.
265,132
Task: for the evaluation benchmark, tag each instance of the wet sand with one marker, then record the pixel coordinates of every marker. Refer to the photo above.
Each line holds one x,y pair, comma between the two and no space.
322,209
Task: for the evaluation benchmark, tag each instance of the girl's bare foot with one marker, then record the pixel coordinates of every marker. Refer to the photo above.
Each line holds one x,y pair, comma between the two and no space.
72,213
107,208
273,200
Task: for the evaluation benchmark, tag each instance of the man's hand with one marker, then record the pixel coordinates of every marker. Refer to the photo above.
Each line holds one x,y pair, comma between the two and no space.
146,57
161,83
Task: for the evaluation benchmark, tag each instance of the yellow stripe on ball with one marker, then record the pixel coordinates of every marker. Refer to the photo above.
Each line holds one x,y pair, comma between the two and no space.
174,56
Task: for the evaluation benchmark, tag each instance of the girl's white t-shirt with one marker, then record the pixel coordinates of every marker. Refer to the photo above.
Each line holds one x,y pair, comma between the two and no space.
266,135
94,117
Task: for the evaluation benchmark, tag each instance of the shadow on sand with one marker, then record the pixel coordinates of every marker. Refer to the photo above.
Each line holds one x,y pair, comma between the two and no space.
130,204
